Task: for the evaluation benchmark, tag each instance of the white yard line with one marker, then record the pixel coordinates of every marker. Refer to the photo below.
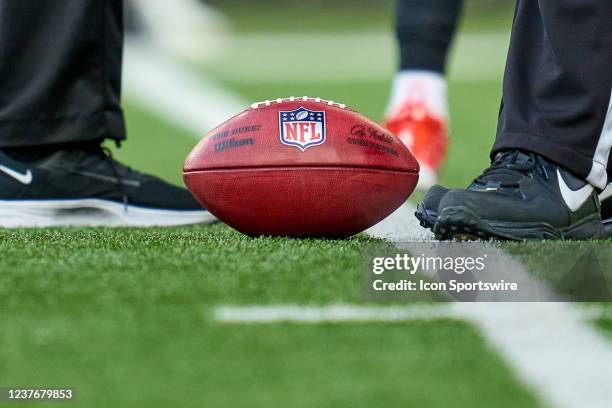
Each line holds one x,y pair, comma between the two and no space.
359,313
331,314
401,226
175,93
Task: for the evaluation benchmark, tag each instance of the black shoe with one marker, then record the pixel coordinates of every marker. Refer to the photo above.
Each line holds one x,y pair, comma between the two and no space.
85,186
427,210
521,196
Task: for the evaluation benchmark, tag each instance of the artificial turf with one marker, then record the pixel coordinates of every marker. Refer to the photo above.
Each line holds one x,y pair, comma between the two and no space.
124,317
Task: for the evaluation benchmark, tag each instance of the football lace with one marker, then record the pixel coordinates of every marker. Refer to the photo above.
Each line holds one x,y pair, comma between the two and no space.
268,102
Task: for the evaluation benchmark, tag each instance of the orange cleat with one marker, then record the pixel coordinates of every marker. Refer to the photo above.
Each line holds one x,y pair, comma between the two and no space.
425,134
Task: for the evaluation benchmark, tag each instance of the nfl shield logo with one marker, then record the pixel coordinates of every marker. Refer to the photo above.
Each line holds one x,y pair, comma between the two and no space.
302,128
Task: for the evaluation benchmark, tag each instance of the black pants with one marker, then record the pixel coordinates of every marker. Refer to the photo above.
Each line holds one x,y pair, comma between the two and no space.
424,30
558,85
60,71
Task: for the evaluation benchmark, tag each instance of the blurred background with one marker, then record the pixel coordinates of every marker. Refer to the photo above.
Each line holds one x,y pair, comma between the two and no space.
191,64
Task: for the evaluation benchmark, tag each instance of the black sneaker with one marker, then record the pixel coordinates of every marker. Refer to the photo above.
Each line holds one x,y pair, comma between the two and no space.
427,210
521,196
85,186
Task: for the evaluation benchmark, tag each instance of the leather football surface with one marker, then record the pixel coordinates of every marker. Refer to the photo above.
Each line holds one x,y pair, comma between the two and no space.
300,167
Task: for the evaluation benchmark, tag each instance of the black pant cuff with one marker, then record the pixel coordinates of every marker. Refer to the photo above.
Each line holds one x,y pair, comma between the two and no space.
99,126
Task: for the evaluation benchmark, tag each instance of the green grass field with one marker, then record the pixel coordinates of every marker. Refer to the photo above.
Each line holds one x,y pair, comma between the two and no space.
125,315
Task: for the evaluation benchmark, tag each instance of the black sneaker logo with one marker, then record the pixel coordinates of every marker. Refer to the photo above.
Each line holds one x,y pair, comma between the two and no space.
24,178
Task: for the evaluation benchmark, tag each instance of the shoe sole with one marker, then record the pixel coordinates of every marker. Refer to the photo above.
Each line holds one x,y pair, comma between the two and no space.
459,223
92,213
426,219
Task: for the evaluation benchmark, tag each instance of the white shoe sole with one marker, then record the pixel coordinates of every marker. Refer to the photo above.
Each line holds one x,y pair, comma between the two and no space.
92,213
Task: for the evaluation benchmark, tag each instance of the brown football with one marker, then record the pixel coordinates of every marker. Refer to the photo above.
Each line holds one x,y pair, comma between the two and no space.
300,167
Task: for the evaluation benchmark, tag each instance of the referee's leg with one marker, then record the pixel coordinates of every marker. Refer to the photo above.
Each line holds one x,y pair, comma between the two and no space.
558,84
554,133
60,72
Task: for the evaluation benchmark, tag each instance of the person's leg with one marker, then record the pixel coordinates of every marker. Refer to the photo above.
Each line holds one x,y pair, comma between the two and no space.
60,71
558,84
554,134
424,30
417,111
60,80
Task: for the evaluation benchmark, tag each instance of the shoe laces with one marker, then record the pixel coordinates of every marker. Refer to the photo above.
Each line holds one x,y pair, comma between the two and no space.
525,163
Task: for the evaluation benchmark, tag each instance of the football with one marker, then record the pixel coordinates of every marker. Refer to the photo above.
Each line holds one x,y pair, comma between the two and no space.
300,167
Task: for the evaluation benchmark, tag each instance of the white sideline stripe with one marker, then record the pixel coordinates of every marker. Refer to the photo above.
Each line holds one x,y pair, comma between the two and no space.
401,226
338,313
554,352
176,94
330,314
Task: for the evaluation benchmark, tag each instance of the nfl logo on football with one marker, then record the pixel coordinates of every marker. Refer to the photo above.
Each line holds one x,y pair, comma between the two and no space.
302,128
